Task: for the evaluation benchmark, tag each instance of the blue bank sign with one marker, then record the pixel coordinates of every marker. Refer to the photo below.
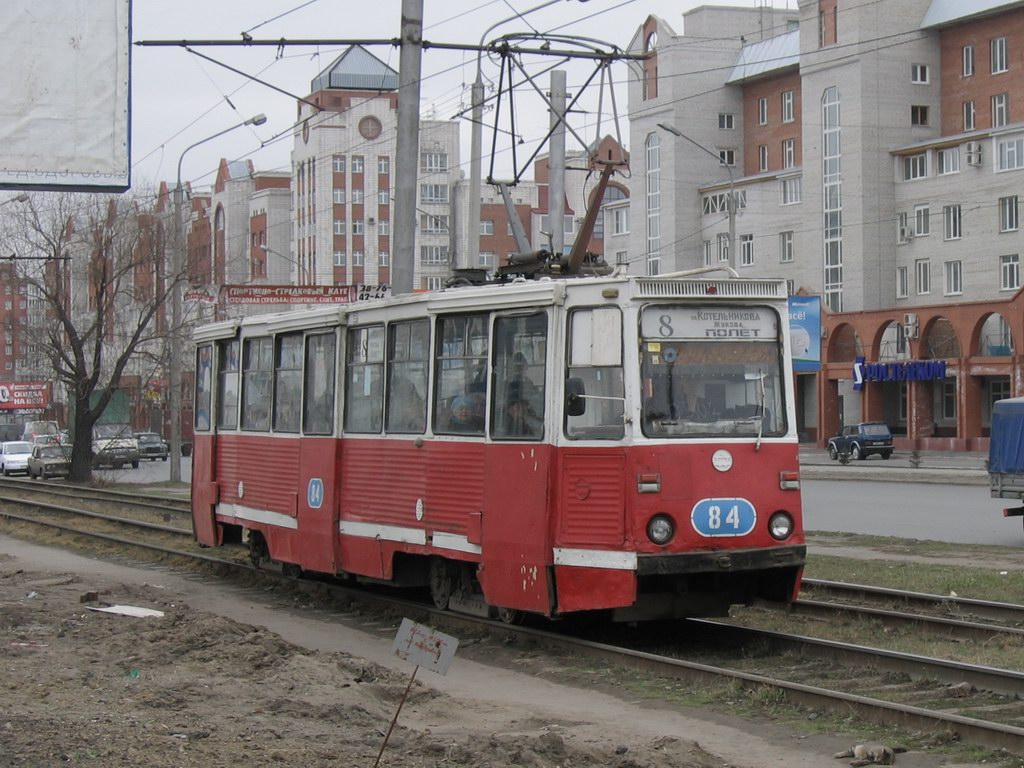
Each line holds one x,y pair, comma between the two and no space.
909,370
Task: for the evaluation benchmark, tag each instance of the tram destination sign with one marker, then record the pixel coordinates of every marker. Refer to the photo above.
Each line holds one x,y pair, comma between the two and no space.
303,294
906,370
710,323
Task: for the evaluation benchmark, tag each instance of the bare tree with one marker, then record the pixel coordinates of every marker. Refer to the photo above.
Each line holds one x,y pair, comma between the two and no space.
95,269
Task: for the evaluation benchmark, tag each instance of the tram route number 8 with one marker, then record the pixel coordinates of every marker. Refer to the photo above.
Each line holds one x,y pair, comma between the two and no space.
723,517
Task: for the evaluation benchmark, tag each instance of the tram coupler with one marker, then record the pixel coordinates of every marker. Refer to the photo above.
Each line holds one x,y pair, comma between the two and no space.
1013,512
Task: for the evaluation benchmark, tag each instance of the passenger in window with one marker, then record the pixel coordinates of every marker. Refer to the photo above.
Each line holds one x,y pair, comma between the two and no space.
464,415
520,418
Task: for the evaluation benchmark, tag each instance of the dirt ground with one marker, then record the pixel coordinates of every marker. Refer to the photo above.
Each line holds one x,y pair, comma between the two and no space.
229,676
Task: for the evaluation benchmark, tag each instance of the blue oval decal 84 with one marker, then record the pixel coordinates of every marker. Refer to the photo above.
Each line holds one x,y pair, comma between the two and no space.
723,517
315,493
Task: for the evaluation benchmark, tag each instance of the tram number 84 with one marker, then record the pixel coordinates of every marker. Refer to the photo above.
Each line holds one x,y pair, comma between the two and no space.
723,517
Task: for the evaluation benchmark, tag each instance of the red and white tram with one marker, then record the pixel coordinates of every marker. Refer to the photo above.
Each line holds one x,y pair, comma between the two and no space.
618,444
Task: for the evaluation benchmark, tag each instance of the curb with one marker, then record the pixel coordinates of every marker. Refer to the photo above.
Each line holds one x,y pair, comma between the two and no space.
935,475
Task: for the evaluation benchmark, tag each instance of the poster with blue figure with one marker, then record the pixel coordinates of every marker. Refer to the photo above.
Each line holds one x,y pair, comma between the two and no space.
805,332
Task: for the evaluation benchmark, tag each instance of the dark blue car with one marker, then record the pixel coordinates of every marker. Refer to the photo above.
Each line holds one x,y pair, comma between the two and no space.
858,441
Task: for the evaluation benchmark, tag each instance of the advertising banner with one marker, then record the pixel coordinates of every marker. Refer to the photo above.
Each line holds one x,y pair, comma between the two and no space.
805,332
29,395
303,294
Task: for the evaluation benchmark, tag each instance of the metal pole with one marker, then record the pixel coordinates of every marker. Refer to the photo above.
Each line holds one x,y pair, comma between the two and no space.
556,163
407,146
178,261
730,204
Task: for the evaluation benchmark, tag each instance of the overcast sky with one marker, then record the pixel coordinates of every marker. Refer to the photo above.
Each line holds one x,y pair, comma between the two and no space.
179,98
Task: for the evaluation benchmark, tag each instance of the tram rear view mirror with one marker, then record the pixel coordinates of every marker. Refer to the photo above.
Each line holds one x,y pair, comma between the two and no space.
575,401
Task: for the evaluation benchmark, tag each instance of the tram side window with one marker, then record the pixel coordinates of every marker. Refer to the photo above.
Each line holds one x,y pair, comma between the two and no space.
595,366
257,382
288,382
408,351
364,377
520,352
227,384
318,405
203,387
460,389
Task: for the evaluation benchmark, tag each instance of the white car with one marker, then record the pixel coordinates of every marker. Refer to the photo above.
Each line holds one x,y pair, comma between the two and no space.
14,457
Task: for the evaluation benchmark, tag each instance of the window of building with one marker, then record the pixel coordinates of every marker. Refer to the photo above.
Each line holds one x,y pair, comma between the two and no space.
434,193
922,220
383,197
948,160
918,114
791,190
727,157
357,227
357,196
620,221
1009,219
620,258
902,283
762,111
785,246
949,398
832,197
486,226
384,227
723,246
383,165
433,225
339,195
1010,153
339,226
919,74
339,258
787,107
923,273
954,278
968,60
762,157
706,251
1000,110
1000,59
384,258
434,254
357,258
652,158
1009,272
746,250
433,162
486,259
726,121
968,115
915,166
338,162
357,164
789,153
951,217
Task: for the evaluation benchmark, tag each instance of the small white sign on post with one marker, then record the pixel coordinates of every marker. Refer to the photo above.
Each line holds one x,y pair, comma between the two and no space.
424,646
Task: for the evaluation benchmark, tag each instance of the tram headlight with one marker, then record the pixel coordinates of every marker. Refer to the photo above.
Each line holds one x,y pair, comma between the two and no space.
661,529
780,525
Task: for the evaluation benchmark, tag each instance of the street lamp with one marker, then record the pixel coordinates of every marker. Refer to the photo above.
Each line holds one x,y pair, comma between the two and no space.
22,198
175,362
730,204
298,267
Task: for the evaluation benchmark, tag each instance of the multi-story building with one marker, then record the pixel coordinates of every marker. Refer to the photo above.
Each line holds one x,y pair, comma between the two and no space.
870,149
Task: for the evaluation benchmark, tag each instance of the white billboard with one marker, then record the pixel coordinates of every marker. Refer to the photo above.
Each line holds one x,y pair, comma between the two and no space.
65,94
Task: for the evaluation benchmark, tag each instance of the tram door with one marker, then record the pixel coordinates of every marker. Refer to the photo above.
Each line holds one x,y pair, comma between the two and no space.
204,450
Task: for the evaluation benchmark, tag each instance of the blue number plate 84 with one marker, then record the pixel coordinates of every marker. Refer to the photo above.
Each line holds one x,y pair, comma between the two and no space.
723,517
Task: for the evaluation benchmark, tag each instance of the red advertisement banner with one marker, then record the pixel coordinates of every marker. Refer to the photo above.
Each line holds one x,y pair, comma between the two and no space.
33,395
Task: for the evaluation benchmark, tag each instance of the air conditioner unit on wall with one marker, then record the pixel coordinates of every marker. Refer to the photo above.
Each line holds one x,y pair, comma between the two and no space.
910,319
910,331
906,233
974,153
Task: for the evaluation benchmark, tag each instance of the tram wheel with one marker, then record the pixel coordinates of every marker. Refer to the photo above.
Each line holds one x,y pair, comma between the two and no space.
258,552
291,570
511,616
442,583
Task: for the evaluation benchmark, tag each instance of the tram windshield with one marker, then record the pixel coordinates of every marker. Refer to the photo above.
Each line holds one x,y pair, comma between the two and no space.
711,371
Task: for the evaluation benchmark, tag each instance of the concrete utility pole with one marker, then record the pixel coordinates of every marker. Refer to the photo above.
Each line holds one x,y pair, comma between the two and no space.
407,146
556,163
730,204
178,261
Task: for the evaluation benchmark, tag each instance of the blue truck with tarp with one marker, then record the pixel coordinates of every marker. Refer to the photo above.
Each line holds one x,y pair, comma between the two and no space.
1006,453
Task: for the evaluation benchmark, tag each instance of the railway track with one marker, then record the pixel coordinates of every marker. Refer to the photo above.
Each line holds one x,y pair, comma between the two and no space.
969,702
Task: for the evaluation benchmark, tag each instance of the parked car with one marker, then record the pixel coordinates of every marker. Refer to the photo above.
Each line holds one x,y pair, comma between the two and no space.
859,441
152,446
14,456
49,461
40,432
114,445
